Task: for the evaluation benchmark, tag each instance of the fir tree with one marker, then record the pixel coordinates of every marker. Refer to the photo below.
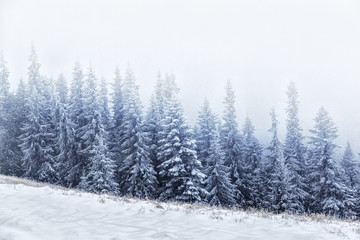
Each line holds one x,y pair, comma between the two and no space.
276,197
104,104
330,196
5,112
76,109
179,171
105,114
100,178
350,167
116,133
137,173
294,153
218,183
252,167
37,138
13,155
4,79
350,173
65,142
207,127
4,90
153,120
98,175
231,143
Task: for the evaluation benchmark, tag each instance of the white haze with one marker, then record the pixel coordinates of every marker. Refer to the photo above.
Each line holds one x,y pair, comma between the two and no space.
259,45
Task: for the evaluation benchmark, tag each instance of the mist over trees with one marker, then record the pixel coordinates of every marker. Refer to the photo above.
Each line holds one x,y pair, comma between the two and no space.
82,136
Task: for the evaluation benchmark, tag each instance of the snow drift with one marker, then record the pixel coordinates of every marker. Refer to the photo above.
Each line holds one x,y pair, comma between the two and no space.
30,210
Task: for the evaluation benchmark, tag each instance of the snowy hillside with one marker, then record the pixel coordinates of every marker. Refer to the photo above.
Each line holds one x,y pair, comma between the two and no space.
35,211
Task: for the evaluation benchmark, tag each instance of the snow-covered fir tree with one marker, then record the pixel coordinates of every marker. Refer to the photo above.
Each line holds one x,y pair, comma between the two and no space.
231,143
330,195
276,197
105,114
4,90
65,141
350,168
38,137
137,175
11,117
294,153
104,104
218,185
98,175
76,113
4,78
205,134
48,109
153,120
5,112
19,110
116,122
350,173
179,172
252,176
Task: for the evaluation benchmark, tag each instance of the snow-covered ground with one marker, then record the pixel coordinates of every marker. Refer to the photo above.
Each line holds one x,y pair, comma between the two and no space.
36,211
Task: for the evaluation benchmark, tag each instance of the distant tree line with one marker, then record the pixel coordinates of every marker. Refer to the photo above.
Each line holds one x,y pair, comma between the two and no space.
78,137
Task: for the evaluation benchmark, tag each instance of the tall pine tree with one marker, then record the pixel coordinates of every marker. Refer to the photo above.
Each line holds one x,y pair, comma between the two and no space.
116,133
38,136
207,130
252,167
104,104
330,196
5,114
294,153
65,132
137,174
350,167
350,173
276,198
153,120
231,143
18,117
98,175
218,185
76,107
179,171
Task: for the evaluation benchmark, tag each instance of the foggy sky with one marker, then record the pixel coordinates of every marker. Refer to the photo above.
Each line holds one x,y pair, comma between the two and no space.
259,45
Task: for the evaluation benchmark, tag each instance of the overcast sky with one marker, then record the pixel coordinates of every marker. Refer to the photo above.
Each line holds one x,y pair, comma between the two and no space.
259,45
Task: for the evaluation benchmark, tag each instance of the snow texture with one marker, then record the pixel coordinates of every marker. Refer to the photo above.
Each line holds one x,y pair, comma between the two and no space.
36,211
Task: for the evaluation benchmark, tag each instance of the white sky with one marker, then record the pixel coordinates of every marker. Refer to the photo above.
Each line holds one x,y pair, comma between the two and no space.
260,45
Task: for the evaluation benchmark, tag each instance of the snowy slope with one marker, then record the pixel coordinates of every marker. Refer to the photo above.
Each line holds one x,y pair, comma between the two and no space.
36,211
